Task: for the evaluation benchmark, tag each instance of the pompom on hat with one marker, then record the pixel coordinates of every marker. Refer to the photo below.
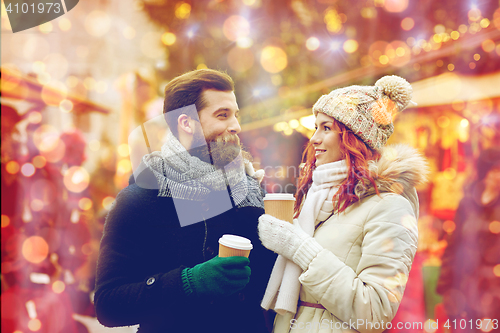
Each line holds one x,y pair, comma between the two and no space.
368,110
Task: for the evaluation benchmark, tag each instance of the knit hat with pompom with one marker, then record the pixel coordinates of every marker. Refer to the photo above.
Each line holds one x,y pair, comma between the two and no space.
368,111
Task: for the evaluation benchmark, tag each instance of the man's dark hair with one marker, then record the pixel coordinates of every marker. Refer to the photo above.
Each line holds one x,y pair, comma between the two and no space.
188,88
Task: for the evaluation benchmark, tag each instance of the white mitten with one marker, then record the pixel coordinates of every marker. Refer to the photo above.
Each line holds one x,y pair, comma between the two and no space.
288,239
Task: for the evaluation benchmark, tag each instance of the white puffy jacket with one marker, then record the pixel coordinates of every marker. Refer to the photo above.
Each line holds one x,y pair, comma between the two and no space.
361,274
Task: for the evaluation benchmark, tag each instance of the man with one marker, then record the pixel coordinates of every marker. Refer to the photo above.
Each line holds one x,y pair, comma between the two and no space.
158,265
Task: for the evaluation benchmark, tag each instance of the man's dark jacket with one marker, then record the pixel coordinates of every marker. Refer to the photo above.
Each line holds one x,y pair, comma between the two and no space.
144,250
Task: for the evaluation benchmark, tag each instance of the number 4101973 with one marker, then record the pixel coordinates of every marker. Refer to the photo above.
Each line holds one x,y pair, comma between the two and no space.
484,324
40,8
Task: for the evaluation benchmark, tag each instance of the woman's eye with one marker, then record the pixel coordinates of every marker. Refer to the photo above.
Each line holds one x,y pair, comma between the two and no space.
327,128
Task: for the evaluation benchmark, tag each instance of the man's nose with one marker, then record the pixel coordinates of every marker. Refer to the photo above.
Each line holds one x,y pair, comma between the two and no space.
234,127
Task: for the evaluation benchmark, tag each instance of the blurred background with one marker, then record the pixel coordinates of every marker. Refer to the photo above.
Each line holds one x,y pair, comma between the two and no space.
75,88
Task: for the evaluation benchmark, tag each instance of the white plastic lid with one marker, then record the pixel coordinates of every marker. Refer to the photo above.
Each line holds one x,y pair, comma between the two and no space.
236,242
279,196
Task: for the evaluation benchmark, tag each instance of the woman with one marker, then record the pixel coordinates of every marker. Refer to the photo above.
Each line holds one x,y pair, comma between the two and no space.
344,262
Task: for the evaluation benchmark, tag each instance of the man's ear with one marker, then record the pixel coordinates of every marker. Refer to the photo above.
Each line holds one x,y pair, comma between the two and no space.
184,123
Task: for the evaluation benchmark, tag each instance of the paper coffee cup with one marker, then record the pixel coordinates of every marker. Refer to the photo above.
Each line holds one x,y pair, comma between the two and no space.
234,246
280,205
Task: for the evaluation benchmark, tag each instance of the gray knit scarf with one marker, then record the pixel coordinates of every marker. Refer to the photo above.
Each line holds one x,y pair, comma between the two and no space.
183,176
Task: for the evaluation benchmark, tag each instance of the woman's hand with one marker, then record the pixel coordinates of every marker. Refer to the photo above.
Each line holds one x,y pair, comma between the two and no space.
287,239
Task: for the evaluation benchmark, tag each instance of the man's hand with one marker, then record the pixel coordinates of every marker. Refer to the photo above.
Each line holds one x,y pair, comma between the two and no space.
217,277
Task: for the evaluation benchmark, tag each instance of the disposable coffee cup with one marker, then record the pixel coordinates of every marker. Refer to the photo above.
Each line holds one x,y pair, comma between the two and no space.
280,205
234,246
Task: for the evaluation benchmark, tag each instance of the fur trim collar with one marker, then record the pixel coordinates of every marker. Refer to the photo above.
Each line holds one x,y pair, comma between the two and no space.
399,170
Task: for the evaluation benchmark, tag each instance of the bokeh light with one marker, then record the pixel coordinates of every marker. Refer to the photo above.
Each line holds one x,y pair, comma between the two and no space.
124,166
58,287
46,28
76,179
12,167
240,60
430,326
395,6
312,43
129,32
66,106
273,59
64,24
182,10
236,27
35,249
351,46
333,20
496,270
495,227
54,92
407,23
28,169
34,117
168,38
36,205
123,150
85,204
449,226
5,221
34,325
107,202
97,23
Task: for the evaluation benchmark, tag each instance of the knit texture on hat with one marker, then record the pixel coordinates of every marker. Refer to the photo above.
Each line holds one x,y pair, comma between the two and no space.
368,110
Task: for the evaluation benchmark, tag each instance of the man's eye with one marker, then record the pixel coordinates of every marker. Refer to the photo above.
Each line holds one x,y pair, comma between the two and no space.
222,115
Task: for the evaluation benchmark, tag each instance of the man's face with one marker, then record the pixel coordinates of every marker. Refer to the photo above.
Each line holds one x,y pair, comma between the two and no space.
220,126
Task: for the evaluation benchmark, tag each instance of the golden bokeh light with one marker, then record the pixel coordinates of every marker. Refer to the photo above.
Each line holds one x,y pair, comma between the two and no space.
5,221
35,249
36,205
236,27
58,287
449,226
123,150
182,10
333,21
312,43
64,24
273,59
443,121
107,202
450,173
28,169
124,166
34,325
495,227
46,28
76,179
12,167
474,14
97,23
240,60
201,66
488,45
66,106
168,38
85,203
496,270
244,42
395,6
407,23
350,46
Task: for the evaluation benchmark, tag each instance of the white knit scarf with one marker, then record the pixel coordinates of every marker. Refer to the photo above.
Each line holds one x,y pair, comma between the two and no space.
183,176
282,292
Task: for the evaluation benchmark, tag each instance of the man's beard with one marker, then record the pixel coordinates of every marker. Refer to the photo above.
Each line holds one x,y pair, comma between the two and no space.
219,150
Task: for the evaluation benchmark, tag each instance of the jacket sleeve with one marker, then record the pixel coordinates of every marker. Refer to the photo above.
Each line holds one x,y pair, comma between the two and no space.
371,293
124,295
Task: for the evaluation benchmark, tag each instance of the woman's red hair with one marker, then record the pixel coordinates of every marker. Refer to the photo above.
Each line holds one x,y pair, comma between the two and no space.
356,154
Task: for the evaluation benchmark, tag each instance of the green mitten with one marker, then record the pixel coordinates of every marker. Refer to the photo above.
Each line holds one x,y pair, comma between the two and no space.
217,277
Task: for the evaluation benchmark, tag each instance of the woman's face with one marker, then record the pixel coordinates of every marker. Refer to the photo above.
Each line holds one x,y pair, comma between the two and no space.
326,140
